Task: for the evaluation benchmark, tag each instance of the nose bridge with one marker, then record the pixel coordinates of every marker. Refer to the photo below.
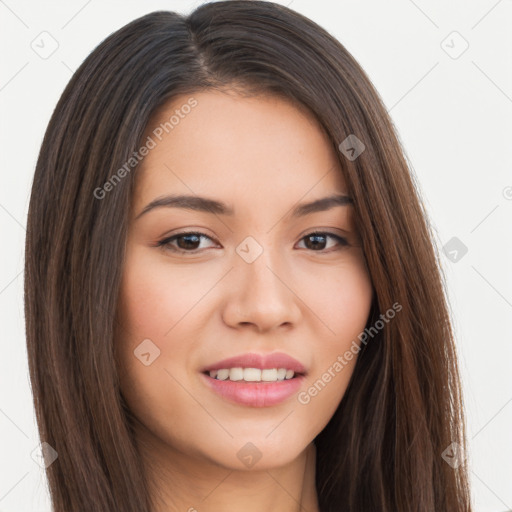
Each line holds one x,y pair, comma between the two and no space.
258,268
260,294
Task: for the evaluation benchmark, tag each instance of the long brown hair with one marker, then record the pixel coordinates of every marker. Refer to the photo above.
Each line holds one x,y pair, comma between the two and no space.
382,449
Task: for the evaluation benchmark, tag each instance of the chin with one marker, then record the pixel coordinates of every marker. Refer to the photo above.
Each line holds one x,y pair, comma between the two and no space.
258,452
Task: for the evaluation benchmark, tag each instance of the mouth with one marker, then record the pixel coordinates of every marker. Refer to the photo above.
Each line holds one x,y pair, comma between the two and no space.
254,387
259,375
255,380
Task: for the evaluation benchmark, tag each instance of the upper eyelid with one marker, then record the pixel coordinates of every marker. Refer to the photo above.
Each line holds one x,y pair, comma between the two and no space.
325,231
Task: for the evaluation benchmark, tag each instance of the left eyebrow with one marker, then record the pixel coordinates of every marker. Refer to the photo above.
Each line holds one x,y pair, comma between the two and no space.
208,205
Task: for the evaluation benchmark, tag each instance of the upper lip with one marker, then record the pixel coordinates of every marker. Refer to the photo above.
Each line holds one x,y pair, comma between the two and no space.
262,361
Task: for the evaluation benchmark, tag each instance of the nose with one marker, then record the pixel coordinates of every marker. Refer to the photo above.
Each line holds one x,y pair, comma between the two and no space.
261,296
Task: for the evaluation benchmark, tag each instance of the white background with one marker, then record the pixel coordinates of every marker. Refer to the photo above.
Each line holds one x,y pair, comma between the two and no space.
453,116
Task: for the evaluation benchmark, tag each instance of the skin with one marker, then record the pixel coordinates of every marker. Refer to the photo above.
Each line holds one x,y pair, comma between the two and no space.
260,155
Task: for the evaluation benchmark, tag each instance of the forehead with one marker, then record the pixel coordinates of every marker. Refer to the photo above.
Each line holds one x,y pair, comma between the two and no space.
227,144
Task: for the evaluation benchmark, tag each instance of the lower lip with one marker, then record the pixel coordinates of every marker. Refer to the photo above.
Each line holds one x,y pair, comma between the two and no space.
255,394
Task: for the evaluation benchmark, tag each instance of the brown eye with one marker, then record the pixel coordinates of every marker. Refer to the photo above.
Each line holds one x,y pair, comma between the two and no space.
190,242
317,241
185,242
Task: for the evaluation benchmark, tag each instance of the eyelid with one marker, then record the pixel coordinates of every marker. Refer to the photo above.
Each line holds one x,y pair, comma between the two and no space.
165,241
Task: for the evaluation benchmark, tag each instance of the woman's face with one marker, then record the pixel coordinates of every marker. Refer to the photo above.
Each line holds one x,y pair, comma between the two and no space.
248,280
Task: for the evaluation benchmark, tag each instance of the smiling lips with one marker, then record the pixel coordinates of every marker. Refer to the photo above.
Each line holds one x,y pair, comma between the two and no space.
256,380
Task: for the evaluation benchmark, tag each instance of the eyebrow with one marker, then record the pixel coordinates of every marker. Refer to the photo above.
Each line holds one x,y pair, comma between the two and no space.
205,204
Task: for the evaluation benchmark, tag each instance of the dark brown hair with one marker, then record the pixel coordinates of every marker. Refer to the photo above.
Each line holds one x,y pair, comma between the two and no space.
381,451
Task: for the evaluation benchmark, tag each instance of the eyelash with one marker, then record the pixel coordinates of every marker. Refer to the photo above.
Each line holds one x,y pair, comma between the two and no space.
166,242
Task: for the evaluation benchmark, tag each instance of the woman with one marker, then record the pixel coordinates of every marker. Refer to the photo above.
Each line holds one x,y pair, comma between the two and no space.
232,297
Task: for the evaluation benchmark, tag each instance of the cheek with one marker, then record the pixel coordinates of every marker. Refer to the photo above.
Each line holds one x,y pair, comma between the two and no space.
159,309
355,292
342,300
340,297
156,295
153,304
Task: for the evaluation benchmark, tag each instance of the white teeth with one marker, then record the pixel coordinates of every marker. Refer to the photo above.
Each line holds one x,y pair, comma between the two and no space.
222,374
236,374
269,375
252,374
281,373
